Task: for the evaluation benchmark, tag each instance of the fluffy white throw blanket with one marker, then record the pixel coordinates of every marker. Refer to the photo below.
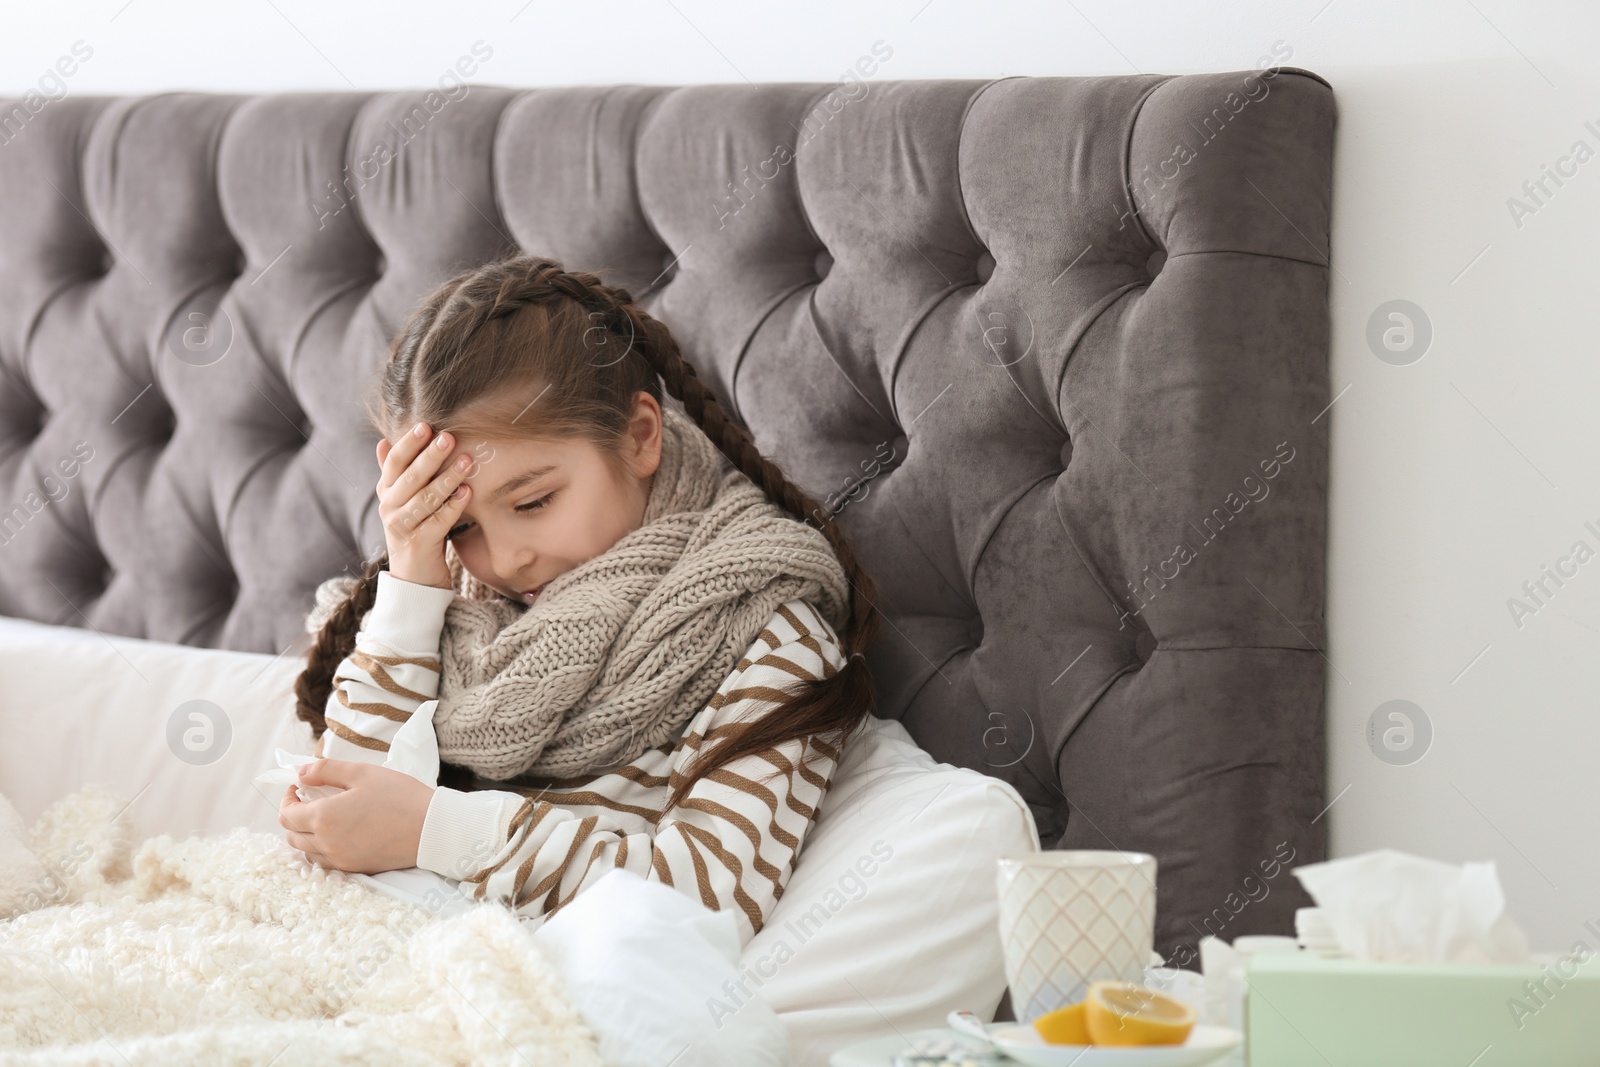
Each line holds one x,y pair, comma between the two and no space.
233,949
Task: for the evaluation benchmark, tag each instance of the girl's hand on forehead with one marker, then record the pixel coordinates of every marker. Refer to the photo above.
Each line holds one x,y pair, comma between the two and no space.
422,491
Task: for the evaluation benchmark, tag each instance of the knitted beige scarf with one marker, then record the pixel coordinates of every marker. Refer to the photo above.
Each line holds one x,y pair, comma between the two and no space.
622,649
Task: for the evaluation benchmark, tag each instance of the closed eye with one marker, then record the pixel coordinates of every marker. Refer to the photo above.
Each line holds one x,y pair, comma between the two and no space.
532,505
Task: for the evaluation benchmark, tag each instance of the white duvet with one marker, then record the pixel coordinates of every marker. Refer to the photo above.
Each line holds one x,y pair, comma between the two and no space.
233,949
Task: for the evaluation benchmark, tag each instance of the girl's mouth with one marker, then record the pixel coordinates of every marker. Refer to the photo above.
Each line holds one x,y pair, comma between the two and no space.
531,595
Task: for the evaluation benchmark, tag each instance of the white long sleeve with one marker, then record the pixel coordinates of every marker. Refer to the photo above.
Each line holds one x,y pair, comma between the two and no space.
392,671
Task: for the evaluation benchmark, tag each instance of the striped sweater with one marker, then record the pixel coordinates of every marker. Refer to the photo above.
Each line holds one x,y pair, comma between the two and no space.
731,844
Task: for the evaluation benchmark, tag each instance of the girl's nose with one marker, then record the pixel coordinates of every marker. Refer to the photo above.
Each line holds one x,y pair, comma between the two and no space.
509,561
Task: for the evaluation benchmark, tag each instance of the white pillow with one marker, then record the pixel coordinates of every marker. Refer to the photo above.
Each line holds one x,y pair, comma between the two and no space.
890,918
180,732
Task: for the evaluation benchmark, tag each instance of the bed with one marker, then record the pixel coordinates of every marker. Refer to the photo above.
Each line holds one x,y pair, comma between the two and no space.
1053,350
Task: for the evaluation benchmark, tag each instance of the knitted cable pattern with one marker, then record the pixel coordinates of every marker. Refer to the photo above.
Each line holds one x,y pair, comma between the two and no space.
620,650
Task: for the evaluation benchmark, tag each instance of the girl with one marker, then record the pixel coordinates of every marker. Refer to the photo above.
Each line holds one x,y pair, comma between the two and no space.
661,658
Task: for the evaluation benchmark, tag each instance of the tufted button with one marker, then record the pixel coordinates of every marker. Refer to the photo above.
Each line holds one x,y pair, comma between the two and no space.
887,454
984,266
380,266
669,268
1157,260
1066,454
101,576
107,261
25,423
1144,645
823,264
299,420
898,447
240,262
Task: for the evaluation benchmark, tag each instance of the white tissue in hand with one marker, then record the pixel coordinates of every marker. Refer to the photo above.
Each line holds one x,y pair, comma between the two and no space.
413,750
287,773
1388,905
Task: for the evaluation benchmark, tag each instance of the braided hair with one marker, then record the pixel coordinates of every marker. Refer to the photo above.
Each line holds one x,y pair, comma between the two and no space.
522,333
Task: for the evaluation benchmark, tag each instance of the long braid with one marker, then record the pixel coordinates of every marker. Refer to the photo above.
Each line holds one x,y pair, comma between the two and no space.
334,642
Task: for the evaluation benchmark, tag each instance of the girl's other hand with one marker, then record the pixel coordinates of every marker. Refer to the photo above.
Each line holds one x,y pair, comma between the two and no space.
420,497
375,825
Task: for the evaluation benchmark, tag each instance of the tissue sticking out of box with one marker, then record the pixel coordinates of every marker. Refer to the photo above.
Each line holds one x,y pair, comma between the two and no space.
1313,930
1392,906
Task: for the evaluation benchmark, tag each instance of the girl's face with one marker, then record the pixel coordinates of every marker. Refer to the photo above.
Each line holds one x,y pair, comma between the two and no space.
539,508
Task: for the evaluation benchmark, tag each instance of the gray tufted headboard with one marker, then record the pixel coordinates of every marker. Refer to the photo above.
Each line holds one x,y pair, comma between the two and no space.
1055,348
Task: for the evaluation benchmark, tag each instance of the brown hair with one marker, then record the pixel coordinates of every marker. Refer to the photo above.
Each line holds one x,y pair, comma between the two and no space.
494,341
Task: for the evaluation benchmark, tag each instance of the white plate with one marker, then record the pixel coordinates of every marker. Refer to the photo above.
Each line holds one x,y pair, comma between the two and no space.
1022,1043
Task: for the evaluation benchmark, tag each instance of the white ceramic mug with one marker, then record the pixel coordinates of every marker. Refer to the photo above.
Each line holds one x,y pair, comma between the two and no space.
1069,917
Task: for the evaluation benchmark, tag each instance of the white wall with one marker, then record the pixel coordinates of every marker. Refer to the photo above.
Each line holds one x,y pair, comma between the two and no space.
1455,478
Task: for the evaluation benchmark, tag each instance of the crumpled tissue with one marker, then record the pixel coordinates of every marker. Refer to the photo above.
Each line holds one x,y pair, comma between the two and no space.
414,750
1388,905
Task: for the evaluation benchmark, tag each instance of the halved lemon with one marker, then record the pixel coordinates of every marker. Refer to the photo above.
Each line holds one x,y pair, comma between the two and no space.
1125,1013
1064,1026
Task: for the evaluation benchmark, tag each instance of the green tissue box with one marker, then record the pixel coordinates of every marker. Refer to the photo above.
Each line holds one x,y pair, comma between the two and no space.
1312,1009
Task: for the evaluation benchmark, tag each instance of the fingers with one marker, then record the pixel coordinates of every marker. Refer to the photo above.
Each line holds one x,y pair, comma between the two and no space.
409,464
430,459
307,844
438,506
292,814
342,773
413,488
399,456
